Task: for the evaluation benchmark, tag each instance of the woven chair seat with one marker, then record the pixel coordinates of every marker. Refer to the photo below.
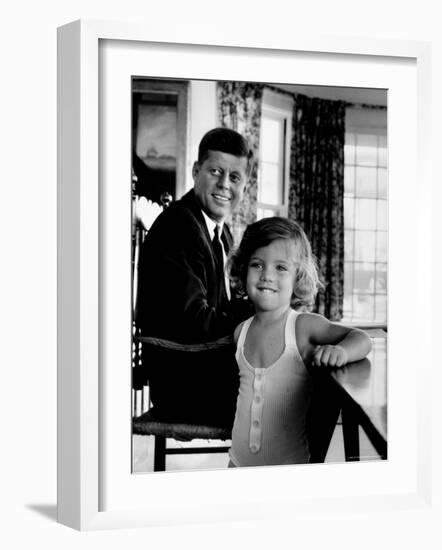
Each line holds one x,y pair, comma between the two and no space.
148,424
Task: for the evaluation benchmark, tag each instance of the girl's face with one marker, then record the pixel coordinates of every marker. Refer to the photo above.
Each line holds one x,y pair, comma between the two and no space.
271,275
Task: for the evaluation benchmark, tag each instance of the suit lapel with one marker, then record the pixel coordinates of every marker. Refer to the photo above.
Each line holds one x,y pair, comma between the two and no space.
190,201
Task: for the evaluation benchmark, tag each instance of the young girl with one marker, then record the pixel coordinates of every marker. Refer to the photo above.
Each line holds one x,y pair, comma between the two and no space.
275,267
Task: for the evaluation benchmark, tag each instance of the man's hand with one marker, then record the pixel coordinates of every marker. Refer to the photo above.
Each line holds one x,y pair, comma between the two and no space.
330,356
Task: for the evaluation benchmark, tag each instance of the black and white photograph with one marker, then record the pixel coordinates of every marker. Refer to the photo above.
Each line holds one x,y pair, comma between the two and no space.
259,274
220,276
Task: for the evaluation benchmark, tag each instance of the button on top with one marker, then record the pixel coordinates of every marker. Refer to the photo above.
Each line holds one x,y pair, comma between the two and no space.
255,423
254,448
257,399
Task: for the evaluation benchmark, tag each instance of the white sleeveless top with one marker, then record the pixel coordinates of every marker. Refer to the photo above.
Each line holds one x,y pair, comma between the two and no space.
272,405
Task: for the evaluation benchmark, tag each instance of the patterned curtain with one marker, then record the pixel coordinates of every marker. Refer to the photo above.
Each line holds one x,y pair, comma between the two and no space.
239,107
316,196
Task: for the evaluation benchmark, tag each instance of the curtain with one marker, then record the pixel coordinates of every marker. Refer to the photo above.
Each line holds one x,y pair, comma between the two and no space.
316,195
239,108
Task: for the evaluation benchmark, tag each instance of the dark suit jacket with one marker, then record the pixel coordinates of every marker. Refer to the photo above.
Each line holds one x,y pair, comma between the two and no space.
181,297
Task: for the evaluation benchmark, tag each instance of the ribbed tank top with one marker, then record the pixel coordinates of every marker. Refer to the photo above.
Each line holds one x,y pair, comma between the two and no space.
271,411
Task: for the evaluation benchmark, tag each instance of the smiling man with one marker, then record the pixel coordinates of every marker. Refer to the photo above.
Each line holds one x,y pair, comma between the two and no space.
220,180
183,293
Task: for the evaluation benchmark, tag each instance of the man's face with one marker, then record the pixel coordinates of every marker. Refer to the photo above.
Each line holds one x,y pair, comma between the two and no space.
219,183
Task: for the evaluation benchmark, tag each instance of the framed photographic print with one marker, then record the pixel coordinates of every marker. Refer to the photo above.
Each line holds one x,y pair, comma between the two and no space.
132,111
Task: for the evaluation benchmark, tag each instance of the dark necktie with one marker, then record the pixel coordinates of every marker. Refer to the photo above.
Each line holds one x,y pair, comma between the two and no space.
218,249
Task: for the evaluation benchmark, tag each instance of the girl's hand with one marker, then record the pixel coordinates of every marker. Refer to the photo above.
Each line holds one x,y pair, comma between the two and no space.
330,356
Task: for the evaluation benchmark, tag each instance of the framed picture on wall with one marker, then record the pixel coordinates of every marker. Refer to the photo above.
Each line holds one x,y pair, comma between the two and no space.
159,124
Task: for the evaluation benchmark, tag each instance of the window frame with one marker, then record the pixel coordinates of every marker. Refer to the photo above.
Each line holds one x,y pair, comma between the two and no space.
368,120
279,106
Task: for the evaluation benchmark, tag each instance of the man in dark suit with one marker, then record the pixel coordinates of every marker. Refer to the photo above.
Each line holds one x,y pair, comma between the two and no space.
183,294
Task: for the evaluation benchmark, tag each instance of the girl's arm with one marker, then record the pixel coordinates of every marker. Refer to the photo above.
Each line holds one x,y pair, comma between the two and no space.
334,345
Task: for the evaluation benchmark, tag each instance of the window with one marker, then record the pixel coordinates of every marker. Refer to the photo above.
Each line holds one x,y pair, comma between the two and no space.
274,155
365,217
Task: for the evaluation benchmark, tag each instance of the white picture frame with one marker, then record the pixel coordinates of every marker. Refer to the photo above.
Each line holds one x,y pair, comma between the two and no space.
87,464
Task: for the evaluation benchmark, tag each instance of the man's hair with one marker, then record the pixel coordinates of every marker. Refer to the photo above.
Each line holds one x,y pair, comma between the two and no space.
224,140
261,234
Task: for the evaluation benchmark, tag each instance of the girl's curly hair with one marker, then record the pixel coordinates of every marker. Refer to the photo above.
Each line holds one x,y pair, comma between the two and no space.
262,233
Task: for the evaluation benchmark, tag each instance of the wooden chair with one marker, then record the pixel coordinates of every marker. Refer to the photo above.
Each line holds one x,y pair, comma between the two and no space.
145,420
148,423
